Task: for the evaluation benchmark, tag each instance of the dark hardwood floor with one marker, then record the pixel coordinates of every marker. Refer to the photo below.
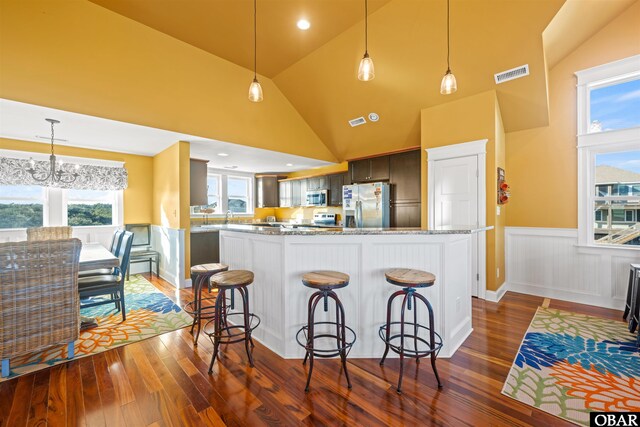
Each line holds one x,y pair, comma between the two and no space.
163,381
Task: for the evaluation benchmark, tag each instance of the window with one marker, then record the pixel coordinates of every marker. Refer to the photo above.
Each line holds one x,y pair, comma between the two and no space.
609,154
21,206
238,189
214,196
24,206
90,207
614,106
227,193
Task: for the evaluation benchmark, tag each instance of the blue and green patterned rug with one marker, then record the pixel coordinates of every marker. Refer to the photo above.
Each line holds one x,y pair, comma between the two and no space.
149,313
571,364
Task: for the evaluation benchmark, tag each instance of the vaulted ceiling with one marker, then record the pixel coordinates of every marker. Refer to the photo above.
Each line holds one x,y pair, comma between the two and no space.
315,70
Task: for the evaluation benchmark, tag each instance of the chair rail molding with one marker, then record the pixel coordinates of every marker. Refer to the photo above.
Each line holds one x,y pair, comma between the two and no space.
548,262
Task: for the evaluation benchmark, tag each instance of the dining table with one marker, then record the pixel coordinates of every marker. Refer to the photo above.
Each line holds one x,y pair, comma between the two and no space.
94,256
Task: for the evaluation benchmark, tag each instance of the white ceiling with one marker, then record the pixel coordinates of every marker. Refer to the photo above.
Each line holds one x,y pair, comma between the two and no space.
26,122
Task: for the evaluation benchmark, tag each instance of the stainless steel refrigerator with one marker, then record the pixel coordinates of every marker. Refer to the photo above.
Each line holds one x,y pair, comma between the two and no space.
366,205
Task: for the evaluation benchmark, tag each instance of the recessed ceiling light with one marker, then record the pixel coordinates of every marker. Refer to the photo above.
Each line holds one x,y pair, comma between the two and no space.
222,154
303,24
231,167
374,117
289,164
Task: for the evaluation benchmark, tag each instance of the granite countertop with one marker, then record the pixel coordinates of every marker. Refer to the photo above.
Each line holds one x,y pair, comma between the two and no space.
302,230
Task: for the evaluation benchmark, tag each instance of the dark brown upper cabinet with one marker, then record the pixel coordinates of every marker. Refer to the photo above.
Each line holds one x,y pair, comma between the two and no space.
198,182
267,194
368,170
404,176
335,188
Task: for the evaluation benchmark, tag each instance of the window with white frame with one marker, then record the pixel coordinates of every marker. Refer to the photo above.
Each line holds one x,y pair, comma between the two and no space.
227,192
22,206
90,207
609,154
214,197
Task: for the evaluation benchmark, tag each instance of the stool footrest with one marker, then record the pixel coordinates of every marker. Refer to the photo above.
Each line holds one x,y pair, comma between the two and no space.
238,330
395,340
302,337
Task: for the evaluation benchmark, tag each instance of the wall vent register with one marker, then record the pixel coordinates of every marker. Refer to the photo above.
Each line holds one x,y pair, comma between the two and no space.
512,74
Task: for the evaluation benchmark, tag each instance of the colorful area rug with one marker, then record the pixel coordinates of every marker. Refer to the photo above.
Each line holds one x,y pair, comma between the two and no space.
149,313
571,364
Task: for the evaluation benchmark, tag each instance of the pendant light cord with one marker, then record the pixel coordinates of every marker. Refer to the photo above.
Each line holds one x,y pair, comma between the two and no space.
255,40
448,39
366,26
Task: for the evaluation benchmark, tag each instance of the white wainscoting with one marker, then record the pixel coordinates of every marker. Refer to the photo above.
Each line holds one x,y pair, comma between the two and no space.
280,299
169,242
548,262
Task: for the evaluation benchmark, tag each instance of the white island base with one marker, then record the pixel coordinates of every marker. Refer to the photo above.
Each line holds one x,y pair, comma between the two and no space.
279,298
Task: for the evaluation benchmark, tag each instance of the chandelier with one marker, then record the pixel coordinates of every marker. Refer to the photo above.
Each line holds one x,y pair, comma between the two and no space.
56,173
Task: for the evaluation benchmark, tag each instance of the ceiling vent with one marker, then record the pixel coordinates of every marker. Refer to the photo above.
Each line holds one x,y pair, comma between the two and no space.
357,122
512,74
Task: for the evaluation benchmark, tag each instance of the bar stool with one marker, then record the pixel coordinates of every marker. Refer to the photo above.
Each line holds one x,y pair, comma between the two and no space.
223,332
200,275
632,306
325,282
400,343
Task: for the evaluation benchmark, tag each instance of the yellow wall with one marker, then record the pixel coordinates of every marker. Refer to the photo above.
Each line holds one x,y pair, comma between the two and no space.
171,193
78,56
492,189
138,195
542,166
470,119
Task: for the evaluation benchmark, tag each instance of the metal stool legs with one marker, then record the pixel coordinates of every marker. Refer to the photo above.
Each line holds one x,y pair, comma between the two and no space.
342,344
221,325
410,302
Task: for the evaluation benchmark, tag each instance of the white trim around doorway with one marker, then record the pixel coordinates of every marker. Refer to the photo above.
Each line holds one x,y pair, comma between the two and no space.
473,148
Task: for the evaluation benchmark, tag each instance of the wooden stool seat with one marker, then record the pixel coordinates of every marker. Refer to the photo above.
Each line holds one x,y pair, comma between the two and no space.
409,278
232,279
325,279
208,268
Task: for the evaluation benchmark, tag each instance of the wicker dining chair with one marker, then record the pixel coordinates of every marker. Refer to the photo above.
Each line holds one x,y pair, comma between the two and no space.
39,302
48,233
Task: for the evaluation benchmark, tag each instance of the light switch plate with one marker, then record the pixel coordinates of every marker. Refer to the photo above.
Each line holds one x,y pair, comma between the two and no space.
497,210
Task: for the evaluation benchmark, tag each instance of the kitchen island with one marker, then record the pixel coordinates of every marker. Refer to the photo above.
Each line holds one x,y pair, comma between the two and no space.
279,256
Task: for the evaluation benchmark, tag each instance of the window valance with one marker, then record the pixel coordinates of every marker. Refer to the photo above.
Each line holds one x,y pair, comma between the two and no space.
13,171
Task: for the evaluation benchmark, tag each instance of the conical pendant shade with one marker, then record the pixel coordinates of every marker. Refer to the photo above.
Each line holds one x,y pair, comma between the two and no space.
255,91
448,85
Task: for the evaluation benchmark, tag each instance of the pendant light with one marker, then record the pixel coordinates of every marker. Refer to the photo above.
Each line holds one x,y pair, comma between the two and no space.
448,85
255,90
56,173
365,70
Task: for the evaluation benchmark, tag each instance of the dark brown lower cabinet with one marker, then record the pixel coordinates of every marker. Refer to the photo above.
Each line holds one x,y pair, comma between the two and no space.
205,248
405,215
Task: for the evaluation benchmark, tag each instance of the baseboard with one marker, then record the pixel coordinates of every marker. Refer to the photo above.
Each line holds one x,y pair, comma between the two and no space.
595,300
496,296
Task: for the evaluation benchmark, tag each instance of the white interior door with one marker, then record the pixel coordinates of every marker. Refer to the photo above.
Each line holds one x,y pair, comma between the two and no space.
456,200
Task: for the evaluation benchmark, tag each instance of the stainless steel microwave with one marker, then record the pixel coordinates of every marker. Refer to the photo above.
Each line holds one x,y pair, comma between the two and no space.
317,198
